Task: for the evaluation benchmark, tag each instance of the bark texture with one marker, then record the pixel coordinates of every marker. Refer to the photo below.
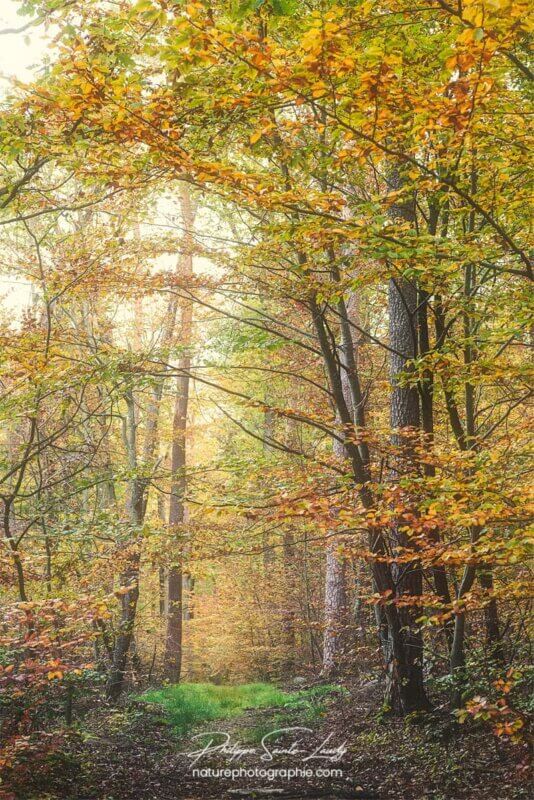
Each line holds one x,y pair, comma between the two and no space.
405,690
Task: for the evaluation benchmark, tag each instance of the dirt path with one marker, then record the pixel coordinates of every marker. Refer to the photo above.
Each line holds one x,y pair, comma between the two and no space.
262,753
133,755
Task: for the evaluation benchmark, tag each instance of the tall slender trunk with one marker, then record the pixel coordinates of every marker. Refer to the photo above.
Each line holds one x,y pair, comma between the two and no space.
288,613
405,685
405,421
491,611
337,617
129,577
175,576
426,390
174,623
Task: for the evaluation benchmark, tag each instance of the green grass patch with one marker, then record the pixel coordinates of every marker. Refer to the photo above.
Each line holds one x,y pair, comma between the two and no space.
189,704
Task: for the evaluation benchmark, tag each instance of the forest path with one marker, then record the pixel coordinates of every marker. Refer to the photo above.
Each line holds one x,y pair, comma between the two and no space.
280,751
134,753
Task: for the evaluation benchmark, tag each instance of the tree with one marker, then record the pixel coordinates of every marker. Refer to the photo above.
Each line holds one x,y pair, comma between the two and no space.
175,576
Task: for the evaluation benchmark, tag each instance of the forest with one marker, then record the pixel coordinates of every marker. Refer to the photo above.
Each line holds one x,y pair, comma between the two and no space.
265,359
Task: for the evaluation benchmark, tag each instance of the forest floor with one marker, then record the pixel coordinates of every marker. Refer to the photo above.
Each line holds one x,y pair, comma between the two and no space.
342,750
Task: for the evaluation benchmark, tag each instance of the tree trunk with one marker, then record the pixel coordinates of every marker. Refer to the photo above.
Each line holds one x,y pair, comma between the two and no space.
175,578
335,612
173,639
491,612
381,571
288,615
129,578
426,389
336,607
494,641
405,680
